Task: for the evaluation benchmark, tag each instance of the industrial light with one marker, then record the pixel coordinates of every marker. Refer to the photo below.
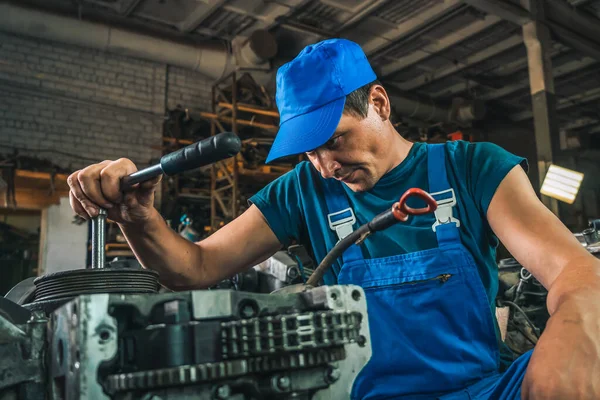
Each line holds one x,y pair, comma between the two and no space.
562,184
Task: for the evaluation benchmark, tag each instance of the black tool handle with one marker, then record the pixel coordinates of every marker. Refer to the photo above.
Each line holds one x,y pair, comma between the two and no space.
207,151
204,152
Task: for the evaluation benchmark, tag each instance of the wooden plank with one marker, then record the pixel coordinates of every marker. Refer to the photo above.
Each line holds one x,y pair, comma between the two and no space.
33,199
212,116
251,108
178,141
34,190
21,173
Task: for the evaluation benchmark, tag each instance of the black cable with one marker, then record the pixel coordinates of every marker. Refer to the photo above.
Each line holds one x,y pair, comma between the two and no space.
534,293
337,251
525,334
531,324
536,309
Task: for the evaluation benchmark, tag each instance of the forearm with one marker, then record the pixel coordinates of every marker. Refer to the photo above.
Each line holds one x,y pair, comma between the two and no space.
565,362
579,279
159,248
184,265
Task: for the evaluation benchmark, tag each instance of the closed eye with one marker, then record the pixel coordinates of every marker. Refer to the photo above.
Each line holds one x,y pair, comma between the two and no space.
334,142
331,144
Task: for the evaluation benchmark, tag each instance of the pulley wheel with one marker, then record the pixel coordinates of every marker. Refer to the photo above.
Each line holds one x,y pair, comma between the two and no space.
68,284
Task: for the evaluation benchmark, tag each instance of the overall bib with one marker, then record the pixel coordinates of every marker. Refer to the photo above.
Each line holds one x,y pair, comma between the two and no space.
432,330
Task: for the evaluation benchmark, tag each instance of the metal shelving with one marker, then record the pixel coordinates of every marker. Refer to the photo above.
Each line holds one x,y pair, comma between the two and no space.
241,106
226,175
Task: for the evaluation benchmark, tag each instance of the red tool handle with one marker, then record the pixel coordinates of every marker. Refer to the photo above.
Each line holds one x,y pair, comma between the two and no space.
401,211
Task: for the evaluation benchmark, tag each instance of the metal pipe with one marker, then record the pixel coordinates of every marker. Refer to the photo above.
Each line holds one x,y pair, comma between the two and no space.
209,60
428,110
212,61
98,239
418,109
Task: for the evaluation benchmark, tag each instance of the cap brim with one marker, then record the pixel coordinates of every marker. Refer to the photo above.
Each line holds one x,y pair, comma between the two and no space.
308,131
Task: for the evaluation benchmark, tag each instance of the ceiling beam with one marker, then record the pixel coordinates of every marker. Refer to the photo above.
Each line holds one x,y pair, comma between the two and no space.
578,3
580,123
507,11
468,84
423,19
499,72
440,45
450,69
203,10
593,130
536,37
576,41
565,102
130,8
563,70
356,18
571,26
573,19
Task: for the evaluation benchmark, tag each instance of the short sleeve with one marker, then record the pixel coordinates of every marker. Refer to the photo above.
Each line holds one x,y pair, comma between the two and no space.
279,203
488,165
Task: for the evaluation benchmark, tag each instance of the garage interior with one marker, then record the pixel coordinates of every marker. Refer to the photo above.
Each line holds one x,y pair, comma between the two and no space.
82,81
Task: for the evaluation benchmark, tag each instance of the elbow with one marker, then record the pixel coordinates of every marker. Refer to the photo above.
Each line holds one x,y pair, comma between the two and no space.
179,282
189,273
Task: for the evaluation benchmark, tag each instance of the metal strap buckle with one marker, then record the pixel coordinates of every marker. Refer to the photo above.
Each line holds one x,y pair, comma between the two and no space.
443,214
343,225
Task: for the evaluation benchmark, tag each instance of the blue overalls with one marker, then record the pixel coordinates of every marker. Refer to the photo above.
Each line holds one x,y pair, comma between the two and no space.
432,331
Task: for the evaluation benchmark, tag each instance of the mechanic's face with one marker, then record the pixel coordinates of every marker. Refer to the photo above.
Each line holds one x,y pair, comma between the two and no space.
354,154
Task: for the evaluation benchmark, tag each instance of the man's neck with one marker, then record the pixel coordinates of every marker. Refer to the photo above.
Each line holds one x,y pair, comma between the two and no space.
399,147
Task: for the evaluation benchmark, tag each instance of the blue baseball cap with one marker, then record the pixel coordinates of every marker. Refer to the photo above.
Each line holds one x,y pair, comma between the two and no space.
311,93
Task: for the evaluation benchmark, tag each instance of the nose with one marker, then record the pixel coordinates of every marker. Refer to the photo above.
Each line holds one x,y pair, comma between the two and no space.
326,164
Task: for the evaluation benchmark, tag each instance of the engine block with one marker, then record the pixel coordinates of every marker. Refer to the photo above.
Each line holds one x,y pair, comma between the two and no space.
217,344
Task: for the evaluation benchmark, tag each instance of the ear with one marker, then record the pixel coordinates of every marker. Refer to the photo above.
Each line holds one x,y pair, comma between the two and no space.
381,102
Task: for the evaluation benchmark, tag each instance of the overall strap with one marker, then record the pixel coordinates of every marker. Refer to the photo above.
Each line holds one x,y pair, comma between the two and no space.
446,225
340,218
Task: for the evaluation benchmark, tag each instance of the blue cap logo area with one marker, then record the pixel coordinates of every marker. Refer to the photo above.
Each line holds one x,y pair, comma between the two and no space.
311,92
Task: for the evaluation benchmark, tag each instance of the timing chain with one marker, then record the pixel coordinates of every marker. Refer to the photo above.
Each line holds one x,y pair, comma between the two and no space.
196,374
289,332
302,340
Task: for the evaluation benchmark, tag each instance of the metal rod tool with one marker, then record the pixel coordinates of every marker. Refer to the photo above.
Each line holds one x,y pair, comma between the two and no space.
199,154
99,239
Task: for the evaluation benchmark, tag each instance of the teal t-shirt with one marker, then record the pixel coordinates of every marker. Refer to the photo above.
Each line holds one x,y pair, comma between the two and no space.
295,208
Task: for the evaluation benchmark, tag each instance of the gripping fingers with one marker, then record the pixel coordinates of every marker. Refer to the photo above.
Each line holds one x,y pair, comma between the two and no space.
77,207
111,175
79,202
89,183
151,183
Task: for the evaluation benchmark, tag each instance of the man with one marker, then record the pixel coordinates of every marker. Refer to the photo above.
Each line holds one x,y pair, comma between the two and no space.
430,282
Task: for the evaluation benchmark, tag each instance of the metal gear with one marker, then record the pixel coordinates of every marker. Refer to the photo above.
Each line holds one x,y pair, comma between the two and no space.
194,374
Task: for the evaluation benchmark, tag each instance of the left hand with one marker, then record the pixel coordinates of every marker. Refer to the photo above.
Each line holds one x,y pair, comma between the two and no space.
566,361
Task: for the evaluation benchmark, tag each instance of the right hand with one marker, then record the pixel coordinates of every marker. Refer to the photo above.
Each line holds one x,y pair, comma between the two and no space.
99,186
